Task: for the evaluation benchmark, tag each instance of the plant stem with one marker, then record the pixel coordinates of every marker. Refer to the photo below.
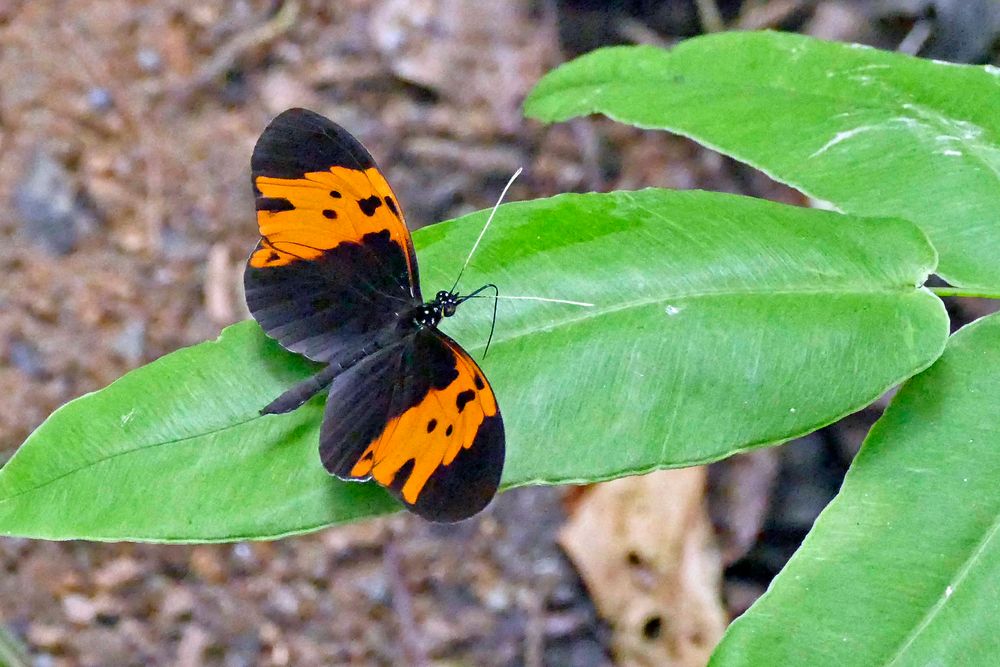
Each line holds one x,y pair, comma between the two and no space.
959,291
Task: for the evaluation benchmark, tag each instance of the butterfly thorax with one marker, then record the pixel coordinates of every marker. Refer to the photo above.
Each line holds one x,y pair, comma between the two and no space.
431,313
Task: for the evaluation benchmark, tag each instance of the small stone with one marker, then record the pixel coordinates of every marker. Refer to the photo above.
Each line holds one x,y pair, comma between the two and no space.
79,609
130,343
242,650
46,203
25,357
375,588
564,624
497,599
280,654
46,636
548,566
117,573
243,553
43,660
191,648
281,89
177,602
283,600
100,100
564,595
149,60
206,564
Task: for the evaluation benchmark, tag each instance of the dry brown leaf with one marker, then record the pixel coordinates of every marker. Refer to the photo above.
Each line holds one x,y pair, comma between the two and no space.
645,549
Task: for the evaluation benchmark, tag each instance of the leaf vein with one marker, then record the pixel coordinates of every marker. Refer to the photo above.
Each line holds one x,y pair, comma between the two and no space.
126,452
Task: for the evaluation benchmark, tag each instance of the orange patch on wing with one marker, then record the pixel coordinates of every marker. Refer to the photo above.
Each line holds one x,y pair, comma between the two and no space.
431,433
324,209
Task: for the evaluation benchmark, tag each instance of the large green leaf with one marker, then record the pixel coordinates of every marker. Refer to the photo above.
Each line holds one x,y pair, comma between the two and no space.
903,567
720,323
175,451
875,133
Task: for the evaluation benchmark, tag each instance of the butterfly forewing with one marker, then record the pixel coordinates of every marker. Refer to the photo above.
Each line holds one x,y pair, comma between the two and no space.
335,261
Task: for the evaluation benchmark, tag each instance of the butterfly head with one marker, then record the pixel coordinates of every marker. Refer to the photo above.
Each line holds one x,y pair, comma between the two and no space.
430,313
447,302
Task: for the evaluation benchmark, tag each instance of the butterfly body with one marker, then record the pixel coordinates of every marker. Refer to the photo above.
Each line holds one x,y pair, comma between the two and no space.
408,322
334,277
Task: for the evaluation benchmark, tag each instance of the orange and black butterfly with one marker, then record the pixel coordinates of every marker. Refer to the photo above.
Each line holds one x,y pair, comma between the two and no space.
334,278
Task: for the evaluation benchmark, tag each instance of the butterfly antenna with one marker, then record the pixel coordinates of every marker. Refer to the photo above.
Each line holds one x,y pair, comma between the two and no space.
493,324
476,295
485,227
496,300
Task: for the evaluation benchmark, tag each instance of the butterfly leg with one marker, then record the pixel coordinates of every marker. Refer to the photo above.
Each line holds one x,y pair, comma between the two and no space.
303,391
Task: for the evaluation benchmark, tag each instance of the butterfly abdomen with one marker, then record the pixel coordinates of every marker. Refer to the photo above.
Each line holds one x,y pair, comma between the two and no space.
302,392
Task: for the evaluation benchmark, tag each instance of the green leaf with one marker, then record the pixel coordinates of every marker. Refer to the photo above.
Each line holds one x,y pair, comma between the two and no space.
903,566
720,323
175,451
875,133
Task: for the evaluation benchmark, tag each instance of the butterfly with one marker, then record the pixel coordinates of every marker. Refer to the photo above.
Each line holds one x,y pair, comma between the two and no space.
334,278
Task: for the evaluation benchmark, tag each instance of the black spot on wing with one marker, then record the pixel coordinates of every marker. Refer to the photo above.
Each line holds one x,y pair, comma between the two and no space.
402,475
448,431
329,213
431,425
479,383
463,398
392,206
274,204
335,194
369,205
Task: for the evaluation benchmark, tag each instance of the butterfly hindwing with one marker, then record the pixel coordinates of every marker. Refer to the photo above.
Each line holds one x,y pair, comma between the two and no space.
421,419
335,261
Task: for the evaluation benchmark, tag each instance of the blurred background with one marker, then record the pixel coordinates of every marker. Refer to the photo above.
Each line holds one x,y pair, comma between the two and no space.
125,135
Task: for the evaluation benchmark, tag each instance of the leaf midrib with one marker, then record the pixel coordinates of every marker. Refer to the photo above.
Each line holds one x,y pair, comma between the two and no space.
648,301
138,448
936,608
